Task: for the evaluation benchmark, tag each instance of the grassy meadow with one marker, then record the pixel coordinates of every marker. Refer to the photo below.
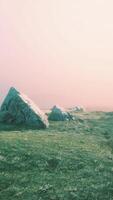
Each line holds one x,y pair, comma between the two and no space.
68,161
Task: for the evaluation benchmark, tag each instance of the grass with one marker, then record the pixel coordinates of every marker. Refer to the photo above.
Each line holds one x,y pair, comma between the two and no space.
69,161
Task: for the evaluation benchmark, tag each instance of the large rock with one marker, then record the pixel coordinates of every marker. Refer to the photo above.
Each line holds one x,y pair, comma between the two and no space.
17,108
59,114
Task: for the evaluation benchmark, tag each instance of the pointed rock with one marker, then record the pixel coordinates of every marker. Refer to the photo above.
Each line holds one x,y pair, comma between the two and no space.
17,108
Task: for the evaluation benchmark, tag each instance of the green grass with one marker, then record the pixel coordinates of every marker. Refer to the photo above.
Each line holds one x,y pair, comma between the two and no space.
69,161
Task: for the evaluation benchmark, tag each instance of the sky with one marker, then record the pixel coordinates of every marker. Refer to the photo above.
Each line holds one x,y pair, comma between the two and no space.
58,51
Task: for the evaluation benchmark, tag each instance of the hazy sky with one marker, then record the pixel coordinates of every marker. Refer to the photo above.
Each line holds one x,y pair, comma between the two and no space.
58,51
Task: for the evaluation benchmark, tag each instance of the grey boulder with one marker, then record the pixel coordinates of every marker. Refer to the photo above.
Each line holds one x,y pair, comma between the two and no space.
59,114
17,108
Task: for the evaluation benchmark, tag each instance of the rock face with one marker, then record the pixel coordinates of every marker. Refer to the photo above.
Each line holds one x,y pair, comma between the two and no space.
59,114
17,108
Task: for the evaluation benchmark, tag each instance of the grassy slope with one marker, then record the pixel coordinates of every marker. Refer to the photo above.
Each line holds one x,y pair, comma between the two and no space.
69,161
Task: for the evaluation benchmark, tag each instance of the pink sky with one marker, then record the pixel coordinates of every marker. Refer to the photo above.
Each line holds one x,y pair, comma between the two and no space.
58,51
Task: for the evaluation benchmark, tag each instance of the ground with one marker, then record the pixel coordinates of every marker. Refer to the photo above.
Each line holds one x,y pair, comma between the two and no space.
69,161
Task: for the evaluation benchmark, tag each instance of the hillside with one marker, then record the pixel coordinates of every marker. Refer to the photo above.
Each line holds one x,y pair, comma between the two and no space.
68,161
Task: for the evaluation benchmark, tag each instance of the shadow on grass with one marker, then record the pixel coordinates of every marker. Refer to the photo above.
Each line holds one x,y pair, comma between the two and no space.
12,127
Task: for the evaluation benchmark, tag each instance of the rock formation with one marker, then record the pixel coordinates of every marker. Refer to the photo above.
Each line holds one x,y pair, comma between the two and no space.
59,114
17,108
